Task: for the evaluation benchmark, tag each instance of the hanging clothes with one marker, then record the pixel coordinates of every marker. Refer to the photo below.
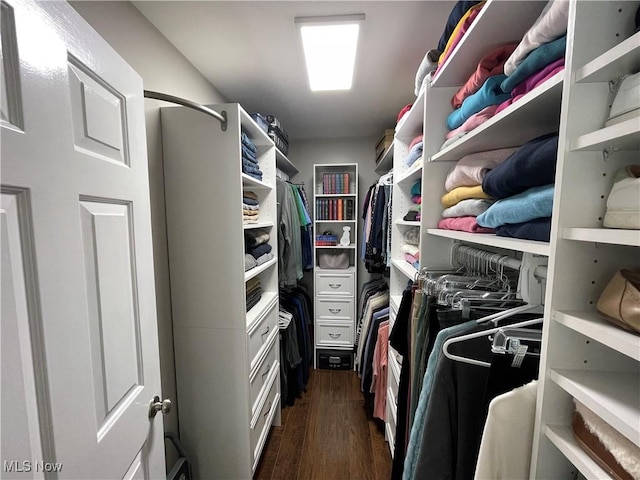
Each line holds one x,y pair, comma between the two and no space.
376,216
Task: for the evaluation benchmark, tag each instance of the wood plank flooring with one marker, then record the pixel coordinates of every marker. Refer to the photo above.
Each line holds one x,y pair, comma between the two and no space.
326,435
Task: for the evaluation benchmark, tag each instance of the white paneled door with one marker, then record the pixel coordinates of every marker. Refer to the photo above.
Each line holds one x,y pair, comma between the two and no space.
79,347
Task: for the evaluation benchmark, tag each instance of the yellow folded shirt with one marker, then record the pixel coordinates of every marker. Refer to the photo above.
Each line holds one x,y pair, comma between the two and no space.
462,193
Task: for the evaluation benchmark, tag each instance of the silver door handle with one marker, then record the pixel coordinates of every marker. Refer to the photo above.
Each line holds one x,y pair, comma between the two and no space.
265,332
335,285
335,335
335,310
268,409
267,371
155,406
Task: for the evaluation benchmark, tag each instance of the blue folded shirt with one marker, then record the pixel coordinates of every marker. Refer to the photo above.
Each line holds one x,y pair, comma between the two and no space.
489,94
414,154
535,61
537,202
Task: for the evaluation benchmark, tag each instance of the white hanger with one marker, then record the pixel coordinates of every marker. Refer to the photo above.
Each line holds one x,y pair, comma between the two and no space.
494,318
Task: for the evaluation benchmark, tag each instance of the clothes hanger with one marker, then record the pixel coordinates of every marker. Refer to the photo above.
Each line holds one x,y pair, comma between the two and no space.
462,338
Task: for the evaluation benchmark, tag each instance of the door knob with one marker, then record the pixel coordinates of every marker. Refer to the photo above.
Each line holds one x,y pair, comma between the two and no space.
156,406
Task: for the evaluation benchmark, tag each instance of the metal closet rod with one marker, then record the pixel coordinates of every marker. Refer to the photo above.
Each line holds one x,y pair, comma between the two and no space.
495,259
222,117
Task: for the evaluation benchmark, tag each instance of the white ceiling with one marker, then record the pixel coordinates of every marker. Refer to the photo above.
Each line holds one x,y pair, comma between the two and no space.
251,52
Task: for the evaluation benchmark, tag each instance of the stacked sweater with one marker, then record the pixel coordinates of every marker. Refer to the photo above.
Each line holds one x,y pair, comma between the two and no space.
250,207
509,72
415,210
256,247
465,199
411,247
250,164
253,291
523,185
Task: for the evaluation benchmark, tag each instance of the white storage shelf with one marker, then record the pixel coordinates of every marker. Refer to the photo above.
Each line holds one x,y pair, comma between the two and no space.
621,136
620,60
254,272
407,270
529,246
410,124
284,164
386,161
562,437
413,174
603,235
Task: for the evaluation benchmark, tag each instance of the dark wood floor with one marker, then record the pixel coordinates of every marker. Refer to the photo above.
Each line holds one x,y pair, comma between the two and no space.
326,435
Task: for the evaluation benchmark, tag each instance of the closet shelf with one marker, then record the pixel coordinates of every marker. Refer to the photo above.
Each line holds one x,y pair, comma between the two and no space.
249,274
488,32
562,437
622,59
251,226
603,235
407,223
613,396
262,307
353,245
535,114
334,195
386,162
412,174
250,182
410,124
405,268
622,136
589,324
335,221
258,136
491,240
284,164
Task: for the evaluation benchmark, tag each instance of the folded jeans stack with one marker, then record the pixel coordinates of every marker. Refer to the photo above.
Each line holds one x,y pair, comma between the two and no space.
250,164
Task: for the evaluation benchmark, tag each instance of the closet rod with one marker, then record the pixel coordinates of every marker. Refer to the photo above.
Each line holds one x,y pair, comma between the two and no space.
222,117
510,262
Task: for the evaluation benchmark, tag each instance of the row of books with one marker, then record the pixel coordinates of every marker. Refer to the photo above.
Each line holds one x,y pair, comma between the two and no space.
326,240
335,183
335,209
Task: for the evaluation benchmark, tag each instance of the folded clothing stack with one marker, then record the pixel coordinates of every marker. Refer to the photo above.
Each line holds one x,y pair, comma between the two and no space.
523,185
250,207
253,291
411,255
415,151
415,210
249,157
257,250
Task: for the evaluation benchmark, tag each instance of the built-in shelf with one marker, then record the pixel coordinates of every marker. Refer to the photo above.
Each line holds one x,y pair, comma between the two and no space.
613,396
405,268
353,245
407,223
487,32
386,162
334,195
491,240
258,136
249,182
284,164
249,274
622,59
259,309
589,324
603,235
621,136
562,437
535,114
335,221
410,124
251,226
412,174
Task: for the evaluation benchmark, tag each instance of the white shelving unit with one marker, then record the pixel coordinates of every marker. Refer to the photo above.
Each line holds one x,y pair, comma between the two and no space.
227,358
335,296
583,356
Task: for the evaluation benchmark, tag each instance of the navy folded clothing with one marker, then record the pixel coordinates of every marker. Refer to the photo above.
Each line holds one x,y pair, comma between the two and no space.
538,229
260,250
458,11
250,201
532,165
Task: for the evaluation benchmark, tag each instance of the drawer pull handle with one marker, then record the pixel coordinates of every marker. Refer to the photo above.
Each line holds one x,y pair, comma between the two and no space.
268,409
399,359
335,310
335,285
265,332
335,335
266,371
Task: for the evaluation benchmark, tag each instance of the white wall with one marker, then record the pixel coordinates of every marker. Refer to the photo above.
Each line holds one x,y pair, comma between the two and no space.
305,153
165,70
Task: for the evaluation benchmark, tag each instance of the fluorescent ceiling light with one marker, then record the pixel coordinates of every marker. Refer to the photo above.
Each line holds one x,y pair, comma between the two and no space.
329,45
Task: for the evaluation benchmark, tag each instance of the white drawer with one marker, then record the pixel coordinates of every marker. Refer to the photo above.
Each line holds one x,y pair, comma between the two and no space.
334,334
393,353
335,284
335,308
261,423
260,333
390,422
394,377
263,372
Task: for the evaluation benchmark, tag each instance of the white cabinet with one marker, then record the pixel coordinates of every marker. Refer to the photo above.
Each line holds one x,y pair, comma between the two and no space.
227,358
335,188
583,356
